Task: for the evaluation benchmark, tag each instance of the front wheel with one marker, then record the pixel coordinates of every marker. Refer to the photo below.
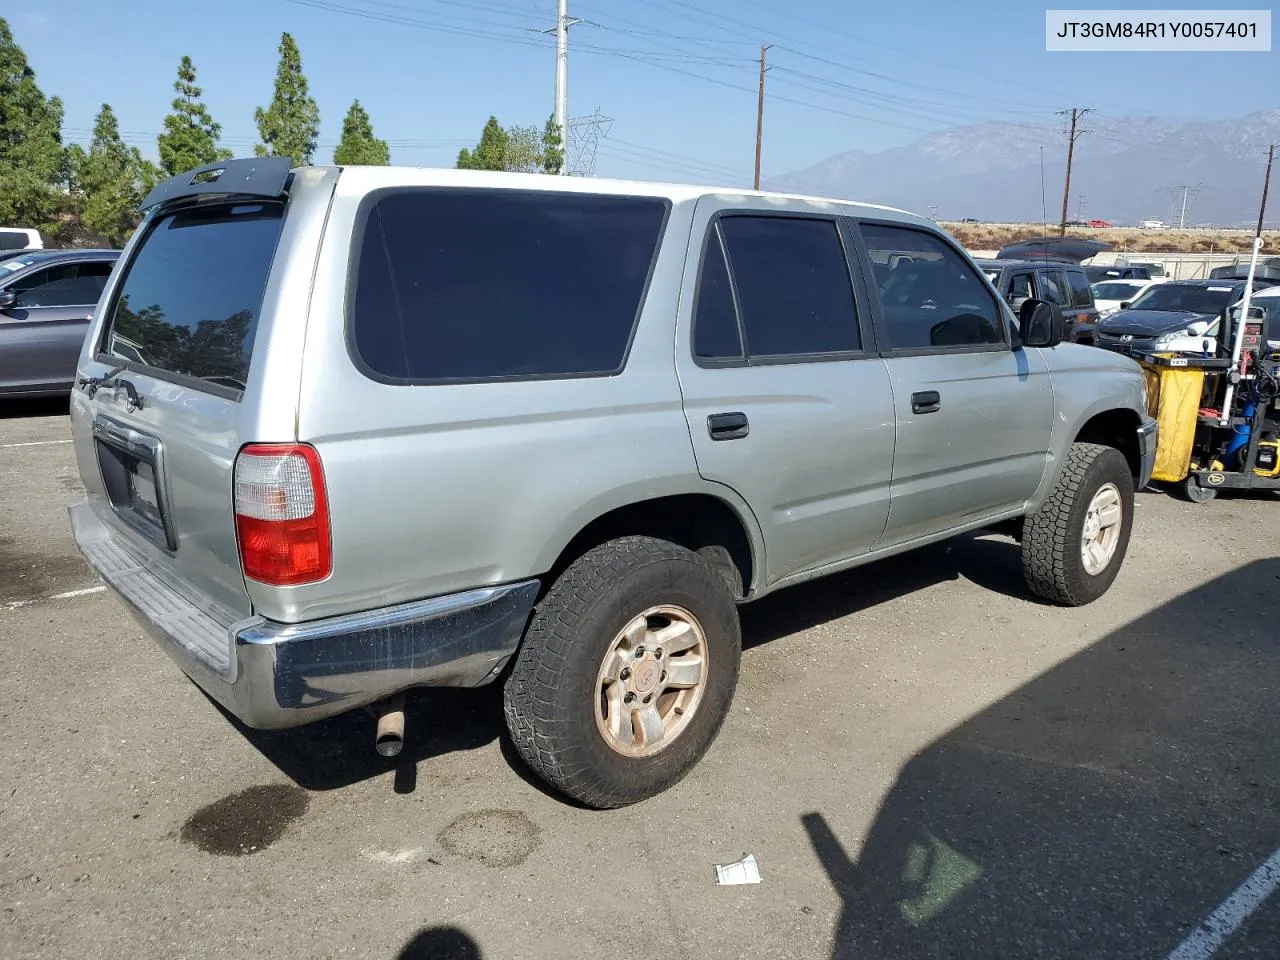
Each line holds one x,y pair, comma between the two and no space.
626,672
1073,546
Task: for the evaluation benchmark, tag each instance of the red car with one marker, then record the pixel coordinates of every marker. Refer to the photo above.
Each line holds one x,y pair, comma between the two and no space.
1099,223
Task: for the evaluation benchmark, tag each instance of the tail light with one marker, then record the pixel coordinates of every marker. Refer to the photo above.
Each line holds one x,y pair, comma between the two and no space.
282,514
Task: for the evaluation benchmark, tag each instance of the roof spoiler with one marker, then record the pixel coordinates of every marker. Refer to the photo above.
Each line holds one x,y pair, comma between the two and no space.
251,177
1058,249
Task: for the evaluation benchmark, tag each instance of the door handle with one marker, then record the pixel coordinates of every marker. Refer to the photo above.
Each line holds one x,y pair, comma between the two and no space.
728,426
926,401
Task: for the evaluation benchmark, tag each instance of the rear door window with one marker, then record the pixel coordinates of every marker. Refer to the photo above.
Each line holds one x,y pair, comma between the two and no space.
66,285
1052,287
1078,284
793,285
189,301
500,284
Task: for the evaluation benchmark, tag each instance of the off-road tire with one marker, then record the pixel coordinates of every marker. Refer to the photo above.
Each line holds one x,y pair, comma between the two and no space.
550,696
1051,560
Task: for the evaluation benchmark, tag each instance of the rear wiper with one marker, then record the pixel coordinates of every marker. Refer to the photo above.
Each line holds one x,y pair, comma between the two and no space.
112,379
91,384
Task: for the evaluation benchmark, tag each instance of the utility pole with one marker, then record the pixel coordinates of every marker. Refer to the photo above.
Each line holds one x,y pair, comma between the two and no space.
561,30
1076,114
1080,198
1266,184
759,113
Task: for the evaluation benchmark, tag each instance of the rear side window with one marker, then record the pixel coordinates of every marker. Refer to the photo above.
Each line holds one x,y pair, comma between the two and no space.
500,284
793,286
189,301
1081,295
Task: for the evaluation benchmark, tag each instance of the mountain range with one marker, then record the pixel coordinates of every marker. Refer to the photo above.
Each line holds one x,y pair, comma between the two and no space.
1125,168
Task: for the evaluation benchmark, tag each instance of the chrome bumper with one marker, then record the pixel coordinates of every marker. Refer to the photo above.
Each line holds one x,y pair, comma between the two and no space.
1148,440
273,675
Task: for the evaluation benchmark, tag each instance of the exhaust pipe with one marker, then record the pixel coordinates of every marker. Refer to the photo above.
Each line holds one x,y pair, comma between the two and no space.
390,736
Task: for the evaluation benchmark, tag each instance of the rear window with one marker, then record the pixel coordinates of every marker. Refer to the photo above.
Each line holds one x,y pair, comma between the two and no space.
189,301
500,284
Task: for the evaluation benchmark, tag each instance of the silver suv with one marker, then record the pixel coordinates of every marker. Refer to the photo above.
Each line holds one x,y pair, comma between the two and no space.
350,431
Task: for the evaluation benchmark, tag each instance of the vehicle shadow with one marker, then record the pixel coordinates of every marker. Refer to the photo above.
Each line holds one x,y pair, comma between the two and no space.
988,560
1104,809
338,752
440,943
24,407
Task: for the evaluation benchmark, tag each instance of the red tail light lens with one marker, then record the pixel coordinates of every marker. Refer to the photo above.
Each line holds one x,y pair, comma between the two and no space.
282,514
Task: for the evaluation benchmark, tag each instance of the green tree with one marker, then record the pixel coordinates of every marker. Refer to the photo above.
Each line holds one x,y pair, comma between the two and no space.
490,153
190,137
517,149
552,146
111,180
289,126
358,145
32,161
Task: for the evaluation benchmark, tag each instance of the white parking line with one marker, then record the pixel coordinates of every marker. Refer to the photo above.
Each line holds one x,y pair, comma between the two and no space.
32,443
1234,911
15,604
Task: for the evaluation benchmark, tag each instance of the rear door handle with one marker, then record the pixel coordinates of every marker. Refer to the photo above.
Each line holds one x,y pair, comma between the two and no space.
728,426
926,401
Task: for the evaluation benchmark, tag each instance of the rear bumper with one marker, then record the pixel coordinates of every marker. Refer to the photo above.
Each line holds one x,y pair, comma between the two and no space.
273,675
1148,440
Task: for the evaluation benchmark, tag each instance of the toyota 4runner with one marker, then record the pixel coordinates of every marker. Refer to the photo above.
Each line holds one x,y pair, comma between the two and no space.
350,431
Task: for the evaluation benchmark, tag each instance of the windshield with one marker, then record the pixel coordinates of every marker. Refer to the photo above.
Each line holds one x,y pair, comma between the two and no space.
1116,290
1192,299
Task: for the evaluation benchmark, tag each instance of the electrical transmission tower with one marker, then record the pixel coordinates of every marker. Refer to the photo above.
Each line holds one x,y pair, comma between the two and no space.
1189,192
584,136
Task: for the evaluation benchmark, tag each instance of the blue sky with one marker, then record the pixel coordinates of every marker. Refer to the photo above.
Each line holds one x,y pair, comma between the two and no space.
677,79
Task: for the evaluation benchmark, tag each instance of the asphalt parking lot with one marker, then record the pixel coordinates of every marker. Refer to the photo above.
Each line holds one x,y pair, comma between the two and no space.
924,761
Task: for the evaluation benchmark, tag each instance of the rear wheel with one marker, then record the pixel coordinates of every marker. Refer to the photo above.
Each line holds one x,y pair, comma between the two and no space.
626,673
1074,545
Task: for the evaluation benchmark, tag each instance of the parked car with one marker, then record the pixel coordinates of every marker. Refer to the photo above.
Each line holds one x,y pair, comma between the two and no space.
1174,316
1099,224
1152,225
20,238
1111,295
377,442
1063,284
1097,273
46,301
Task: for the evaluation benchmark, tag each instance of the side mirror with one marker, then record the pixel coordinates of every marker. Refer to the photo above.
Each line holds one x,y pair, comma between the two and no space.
1124,304
1040,324
8,299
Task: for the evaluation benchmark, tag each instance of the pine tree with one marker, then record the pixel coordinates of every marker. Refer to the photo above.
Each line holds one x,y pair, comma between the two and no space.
112,178
289,126
490,153
32,160
190,137
552,146
358,145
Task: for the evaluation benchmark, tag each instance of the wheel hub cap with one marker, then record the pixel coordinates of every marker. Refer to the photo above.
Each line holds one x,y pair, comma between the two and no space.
1103,523
651,681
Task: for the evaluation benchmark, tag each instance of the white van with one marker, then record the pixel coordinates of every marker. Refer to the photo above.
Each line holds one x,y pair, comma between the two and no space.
20,238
